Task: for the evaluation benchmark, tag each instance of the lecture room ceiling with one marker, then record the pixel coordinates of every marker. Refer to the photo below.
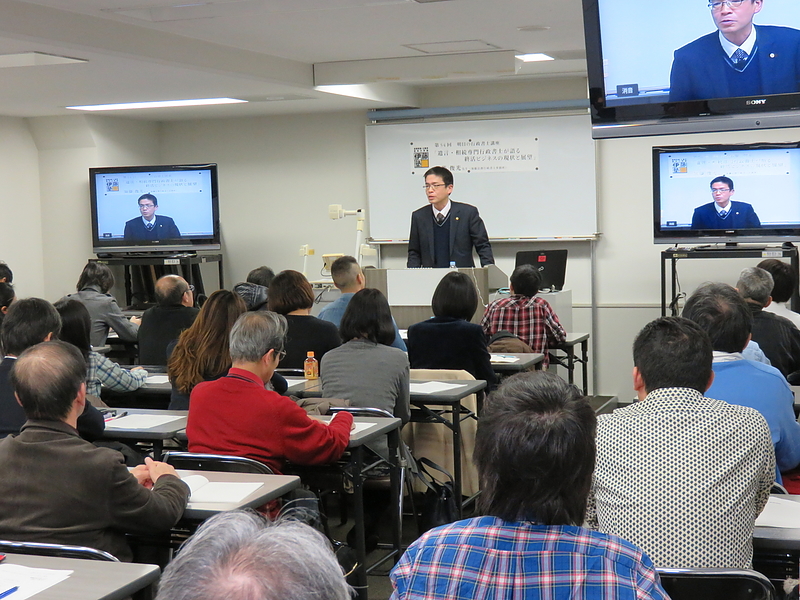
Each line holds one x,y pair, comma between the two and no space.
273,53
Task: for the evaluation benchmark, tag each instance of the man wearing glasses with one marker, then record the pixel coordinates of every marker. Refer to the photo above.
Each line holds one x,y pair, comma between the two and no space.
724,213
445,231
739,59
148,226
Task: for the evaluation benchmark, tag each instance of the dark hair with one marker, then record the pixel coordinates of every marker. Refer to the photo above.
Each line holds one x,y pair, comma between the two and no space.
535,451
170,290
368,316
7,296
526,280
261,275
203,350
673,352
290,291
76,324
47,378
344,271
455,296
722,179
445,174
148,197
723,314
5,272
784,278
97,275
27,323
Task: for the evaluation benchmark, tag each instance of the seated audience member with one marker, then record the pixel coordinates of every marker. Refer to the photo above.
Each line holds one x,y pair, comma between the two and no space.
535,451
93,285
349,279
524,314
365,369
238,555
678,474
776,335
75,327
754,352
165,322
58,488
723,314
202,351
291,295
784,279
7,296
6,276
28,322
448,340
235,415
254,290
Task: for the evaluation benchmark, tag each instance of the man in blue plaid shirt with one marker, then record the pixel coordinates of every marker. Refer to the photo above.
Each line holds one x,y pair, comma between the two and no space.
535,453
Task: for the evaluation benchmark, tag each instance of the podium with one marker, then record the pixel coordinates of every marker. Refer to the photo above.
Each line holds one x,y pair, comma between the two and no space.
410,291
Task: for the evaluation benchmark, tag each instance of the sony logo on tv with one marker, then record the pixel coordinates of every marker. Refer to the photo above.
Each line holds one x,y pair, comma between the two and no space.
759,101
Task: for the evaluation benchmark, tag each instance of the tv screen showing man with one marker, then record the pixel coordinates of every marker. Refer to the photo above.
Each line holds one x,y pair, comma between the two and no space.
739,59
724,213
148,226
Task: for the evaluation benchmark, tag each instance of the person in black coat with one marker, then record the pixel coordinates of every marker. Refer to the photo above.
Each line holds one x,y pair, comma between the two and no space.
148,226
449,340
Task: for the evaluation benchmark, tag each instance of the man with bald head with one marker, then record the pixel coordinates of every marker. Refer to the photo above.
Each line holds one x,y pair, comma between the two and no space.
57,488
165,322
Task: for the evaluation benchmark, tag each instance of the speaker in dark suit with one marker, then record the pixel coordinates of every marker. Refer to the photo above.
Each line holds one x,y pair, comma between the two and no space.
724,213
149,226
702,69
437,239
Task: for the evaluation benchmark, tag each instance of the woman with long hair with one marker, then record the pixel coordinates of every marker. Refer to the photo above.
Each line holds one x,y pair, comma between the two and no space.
202,352
100,372
291,295
448,340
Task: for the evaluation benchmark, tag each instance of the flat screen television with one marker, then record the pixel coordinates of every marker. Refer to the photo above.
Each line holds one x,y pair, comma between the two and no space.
183,200
639,85
726,193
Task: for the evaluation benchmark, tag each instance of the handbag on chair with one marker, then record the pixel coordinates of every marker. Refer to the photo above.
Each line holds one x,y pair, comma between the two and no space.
439,505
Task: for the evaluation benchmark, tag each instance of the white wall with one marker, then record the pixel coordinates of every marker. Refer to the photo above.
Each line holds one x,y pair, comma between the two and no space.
21,240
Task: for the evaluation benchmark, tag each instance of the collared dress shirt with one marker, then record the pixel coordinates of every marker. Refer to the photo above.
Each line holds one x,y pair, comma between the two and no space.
486,557
530,318
683,477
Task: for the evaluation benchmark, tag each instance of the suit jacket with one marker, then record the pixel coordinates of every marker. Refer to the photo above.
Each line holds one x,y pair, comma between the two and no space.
740,216
165,229
12,417
160,325
466,230
57,488
449,343
698,69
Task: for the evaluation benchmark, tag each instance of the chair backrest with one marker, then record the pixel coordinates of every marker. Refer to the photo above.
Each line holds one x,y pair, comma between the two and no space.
215,462
716,584
59,550
363,411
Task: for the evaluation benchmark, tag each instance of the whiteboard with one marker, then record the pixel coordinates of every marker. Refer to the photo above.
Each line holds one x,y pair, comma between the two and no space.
529,177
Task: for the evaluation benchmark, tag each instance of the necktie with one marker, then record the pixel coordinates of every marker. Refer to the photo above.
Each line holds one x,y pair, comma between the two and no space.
439,218
150,226
723,214
739,56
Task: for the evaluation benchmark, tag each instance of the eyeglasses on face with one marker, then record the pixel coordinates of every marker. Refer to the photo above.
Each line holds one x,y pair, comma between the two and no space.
729,3
432,186
720,190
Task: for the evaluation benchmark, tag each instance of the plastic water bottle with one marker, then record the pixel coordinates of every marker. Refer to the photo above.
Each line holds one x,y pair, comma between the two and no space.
311,366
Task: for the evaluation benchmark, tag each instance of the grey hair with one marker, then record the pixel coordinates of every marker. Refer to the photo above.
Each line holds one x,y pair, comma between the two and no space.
239,555
755,284
256,333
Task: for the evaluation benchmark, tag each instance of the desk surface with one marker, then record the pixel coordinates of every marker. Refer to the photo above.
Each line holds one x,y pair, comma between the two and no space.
273,486
159,432
522,362
574,338
462,388
381,426
91,579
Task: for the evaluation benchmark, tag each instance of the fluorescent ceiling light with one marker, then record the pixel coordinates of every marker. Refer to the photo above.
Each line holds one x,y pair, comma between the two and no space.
535,57
159,104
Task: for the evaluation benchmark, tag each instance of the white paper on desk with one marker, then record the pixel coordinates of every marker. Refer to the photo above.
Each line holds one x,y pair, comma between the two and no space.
31,581
204,490
156,379
431,387
780,512
357,427
504,358
140,421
